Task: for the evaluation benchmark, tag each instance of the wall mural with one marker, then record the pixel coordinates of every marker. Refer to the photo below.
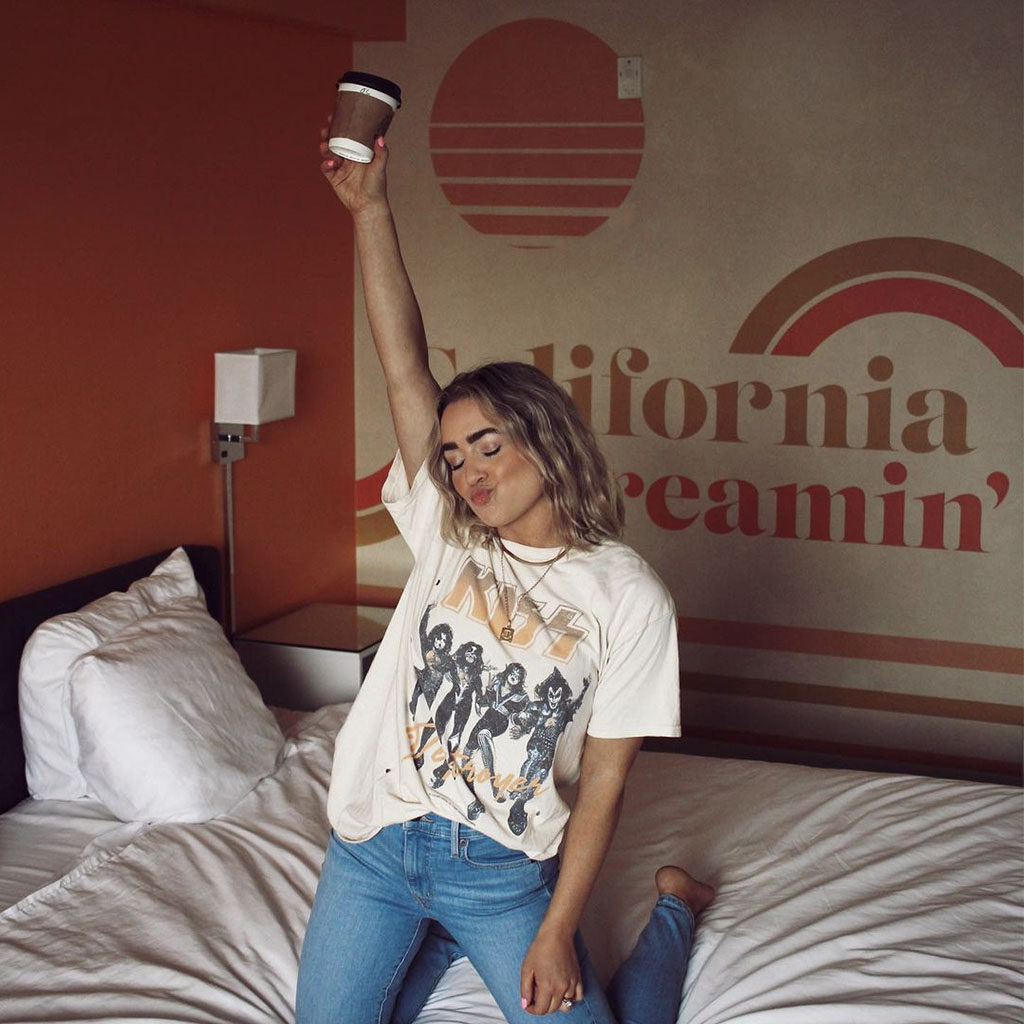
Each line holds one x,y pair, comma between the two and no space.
980,295
541,109
828,477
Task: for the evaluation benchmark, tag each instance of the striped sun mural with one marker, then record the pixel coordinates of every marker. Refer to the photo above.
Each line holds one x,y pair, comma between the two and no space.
528,137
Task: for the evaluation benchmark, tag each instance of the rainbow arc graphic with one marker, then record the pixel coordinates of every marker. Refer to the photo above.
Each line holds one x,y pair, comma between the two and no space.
928,276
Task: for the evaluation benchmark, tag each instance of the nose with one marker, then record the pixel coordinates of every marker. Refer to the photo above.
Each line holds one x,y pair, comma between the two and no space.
476,469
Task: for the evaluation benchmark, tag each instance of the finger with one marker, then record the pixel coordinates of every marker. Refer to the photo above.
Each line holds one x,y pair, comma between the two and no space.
535,1005
572,996
526,989
331,164
544,1001
548,998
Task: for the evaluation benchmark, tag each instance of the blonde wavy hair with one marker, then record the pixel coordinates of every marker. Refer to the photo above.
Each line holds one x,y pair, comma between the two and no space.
543,423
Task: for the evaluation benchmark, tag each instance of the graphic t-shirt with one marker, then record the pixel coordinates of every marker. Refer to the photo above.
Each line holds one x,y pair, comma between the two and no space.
454,719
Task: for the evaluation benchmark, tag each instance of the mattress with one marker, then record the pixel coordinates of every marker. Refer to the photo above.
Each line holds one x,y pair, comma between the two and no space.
843,897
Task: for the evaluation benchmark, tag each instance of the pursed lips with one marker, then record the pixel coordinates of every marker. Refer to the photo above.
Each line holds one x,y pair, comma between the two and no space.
480,496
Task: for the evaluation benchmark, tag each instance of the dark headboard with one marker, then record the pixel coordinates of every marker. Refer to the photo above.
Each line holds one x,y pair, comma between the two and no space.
20,615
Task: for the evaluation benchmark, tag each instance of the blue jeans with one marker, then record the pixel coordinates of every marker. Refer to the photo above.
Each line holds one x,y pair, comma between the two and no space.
392,913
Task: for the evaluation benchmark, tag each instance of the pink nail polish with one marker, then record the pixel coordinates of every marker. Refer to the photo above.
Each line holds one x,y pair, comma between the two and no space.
522,1003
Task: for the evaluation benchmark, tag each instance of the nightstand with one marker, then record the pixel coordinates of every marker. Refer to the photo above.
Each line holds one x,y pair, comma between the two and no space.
313,656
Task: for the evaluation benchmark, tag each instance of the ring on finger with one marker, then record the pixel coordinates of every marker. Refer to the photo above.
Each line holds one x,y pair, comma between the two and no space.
567,1003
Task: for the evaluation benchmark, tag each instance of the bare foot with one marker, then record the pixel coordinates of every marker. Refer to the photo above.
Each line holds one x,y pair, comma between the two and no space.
675,881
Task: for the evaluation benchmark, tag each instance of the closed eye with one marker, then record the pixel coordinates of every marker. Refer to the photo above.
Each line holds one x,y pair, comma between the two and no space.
488,453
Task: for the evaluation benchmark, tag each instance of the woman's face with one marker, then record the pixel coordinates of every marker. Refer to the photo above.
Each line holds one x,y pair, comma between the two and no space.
499,483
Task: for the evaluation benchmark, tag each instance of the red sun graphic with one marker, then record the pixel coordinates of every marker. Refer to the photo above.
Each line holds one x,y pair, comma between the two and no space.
528,137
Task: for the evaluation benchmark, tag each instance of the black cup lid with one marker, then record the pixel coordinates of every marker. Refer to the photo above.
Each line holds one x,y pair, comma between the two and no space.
373,82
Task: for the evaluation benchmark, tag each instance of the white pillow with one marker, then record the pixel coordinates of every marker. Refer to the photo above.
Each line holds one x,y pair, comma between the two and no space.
51,747
168,583
169,725
48,733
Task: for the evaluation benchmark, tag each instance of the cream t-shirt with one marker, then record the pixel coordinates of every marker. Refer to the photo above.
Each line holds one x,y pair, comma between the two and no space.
486,732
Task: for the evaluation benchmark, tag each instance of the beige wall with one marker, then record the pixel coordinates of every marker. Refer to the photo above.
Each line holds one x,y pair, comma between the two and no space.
757,202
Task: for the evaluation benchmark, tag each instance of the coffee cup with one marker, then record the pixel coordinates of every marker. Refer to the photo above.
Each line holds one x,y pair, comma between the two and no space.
363,110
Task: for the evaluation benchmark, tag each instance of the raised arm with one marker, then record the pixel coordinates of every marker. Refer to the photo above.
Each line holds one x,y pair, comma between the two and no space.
394,314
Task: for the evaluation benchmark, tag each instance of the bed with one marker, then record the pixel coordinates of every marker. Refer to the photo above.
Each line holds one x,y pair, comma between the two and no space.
843,896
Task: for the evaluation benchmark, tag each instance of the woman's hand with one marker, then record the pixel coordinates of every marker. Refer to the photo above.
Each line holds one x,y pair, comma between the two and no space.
358,186
550,973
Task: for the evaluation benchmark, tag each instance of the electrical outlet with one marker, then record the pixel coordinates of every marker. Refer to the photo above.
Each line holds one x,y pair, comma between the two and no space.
630,80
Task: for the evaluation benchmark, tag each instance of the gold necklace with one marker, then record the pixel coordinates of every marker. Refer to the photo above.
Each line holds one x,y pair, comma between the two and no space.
526,561
507,633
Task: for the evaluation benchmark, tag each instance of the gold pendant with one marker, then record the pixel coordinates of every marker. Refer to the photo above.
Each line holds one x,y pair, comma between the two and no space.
507,633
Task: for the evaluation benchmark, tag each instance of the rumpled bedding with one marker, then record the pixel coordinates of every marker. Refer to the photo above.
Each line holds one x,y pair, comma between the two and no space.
843,898
41,840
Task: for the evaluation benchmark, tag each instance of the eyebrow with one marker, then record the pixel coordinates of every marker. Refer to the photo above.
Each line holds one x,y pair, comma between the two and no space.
471,438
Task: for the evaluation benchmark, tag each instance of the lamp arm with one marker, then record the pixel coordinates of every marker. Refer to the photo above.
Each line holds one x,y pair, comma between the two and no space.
229,441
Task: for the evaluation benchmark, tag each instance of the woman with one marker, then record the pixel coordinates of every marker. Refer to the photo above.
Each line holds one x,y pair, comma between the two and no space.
511,514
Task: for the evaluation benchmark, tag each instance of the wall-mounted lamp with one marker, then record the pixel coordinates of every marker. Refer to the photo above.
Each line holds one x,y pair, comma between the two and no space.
253,386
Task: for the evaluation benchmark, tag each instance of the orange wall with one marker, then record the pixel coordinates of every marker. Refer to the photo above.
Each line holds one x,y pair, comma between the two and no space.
162,201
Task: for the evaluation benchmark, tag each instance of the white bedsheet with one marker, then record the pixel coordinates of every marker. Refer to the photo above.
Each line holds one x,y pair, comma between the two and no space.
40,840
43,840
843,897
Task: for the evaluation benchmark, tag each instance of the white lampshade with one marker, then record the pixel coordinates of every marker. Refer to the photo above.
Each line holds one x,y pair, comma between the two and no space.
254,385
